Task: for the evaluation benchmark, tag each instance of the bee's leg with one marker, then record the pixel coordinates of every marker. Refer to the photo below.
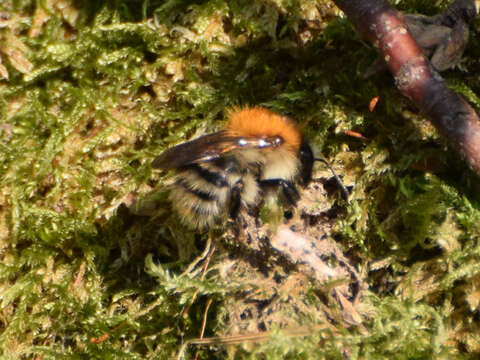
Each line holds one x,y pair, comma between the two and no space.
288,188
235,199
290,191
345,192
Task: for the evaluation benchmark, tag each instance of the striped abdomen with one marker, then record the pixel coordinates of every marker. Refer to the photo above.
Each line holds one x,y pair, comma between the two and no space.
206,191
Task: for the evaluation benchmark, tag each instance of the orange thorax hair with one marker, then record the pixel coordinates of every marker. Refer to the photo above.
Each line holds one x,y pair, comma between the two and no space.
261,122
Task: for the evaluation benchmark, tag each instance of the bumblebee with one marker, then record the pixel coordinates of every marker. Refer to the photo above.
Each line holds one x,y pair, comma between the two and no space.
218,174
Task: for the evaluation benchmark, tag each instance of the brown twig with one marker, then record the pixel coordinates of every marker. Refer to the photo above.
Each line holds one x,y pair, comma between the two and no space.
211,250
414,76
204,322
326,329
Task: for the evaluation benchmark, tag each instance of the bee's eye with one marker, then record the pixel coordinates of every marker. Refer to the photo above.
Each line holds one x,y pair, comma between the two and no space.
277,141
242,142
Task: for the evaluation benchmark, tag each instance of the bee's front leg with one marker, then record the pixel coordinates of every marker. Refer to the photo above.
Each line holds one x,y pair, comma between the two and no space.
288,189
235,199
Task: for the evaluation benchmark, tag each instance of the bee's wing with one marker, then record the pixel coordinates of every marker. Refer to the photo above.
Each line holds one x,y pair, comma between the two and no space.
207,148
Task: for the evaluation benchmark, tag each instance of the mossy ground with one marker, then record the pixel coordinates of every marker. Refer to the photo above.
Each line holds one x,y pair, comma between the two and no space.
92,91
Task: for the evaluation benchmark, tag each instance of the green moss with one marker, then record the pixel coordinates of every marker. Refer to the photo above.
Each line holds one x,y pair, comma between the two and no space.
93,264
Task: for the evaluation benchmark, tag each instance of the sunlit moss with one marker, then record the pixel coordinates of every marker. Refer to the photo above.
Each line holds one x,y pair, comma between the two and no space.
93,264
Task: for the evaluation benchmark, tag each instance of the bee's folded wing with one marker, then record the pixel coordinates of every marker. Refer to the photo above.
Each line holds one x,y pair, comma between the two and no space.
205,148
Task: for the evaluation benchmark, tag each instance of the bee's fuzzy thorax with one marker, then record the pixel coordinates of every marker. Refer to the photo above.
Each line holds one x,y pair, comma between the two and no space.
258,121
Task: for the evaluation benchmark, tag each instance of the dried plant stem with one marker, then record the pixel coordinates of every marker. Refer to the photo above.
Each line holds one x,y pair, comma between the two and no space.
415,78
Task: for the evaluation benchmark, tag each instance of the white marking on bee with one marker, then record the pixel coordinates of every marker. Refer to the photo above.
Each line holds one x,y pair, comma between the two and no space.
263,143
242,142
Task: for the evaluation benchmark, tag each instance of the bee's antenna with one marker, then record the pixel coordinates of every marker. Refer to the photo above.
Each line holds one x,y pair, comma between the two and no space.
345,192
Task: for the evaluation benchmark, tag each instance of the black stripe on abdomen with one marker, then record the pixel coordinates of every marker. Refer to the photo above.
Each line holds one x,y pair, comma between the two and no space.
214,178
197,192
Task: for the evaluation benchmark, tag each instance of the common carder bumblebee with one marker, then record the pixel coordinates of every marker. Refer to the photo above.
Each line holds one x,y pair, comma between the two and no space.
218,174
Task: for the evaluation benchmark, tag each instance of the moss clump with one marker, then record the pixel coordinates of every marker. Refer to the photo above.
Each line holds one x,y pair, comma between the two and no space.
94,265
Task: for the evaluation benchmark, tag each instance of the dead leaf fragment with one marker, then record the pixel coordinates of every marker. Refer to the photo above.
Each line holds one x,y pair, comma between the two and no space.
16,51
175,68
373,103
39,19
67,10
3,71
